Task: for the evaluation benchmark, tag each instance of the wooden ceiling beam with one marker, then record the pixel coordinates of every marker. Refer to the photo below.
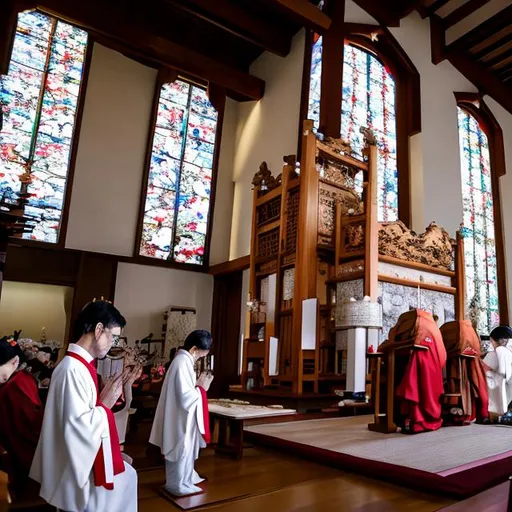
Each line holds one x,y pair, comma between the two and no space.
475,36
462,12
233,18
493,47
386,13
497,59
485,81
433,8
112,21
305,13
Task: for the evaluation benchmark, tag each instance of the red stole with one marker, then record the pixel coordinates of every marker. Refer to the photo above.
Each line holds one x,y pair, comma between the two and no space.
206,416
100,478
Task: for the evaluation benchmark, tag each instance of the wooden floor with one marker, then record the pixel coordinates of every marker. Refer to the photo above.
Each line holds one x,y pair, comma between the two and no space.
285,484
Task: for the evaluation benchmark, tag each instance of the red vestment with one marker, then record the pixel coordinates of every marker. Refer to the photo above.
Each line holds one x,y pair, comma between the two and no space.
21,413
419,392
465,371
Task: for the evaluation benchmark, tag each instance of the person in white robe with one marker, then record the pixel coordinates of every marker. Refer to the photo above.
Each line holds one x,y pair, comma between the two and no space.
78,460
498,372
180,427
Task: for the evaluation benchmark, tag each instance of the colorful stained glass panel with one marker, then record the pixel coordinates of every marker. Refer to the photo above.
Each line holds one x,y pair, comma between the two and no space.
180,175
315,81
368,100
482,304
39,98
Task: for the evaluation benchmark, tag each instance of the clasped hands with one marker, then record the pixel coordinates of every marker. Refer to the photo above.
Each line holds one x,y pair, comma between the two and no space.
204,380
114,385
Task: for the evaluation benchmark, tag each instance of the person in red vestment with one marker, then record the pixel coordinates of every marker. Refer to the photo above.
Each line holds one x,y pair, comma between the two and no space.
419,372
465,374
21,412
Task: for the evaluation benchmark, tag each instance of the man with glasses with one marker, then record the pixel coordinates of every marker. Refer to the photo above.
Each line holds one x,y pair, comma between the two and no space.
78,460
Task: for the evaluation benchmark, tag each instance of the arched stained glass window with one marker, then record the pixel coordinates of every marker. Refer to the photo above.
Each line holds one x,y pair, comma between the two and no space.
368,100
478,224
177,205
39,99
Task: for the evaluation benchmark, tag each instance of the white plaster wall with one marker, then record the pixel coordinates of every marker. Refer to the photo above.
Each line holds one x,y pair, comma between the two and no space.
143,293
30,307
267,130
223,212
111,152
442,200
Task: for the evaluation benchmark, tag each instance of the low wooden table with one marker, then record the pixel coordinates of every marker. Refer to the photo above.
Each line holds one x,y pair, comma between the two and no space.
231,421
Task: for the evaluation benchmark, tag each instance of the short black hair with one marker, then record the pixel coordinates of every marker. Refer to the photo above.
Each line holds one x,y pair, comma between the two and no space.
503,332
9,350
200,339
94,313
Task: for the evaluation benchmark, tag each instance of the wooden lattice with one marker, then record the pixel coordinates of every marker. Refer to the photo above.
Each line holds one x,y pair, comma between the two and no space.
269,211
268,243
292,220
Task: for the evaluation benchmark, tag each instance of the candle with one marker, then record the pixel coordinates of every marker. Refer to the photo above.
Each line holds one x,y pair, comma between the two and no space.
211,363
419,298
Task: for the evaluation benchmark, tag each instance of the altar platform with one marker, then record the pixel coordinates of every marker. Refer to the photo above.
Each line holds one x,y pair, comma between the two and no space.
455,461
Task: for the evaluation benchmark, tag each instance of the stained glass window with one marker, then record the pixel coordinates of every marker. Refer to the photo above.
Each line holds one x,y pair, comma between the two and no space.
39,99
368,100
177,204
478,225
315,81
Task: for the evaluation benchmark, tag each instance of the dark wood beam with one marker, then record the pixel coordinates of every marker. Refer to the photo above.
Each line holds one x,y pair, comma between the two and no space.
462,12
493,47
386,13
332,71
230,266
475,36
494,62
305,13
111,20
8,18
486,81
432,9
232,17
437,39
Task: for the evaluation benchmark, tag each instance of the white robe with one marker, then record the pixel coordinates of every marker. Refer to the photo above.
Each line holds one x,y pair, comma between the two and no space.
73,430
178,425
499,379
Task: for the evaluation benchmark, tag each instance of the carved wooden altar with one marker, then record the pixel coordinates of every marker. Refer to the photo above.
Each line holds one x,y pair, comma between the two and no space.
316,235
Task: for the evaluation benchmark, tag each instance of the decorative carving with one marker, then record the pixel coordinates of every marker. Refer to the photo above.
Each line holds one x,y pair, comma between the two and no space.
354,237
433,248
268,243
292,219
338,145
350,268
328,197
269,211
264,179
369,136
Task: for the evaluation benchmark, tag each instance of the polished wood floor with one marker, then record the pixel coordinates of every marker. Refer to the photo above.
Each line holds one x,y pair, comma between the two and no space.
269,481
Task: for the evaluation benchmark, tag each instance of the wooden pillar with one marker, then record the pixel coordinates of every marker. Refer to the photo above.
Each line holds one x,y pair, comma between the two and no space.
8,19
332,70
371,256
460,285
96,278
306,258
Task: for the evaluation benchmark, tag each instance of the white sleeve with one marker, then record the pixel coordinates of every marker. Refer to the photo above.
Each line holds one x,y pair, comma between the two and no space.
84,426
